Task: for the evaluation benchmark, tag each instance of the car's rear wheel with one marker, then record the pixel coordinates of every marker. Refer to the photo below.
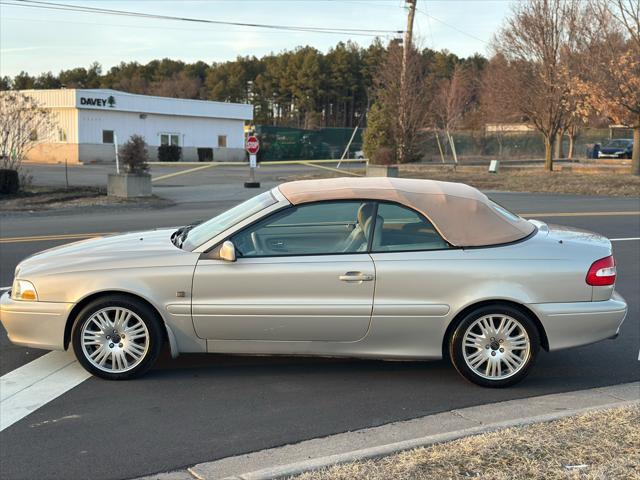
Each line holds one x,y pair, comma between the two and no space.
494,346
117,337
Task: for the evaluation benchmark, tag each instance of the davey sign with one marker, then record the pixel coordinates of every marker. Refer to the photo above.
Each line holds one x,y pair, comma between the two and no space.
253,145
110,101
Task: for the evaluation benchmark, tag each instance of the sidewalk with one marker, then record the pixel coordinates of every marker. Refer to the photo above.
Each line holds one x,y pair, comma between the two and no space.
387,439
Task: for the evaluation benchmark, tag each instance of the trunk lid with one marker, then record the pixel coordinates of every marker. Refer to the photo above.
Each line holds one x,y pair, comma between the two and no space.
584,246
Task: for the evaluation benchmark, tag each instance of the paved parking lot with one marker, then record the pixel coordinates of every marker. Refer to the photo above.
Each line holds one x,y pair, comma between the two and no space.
204,407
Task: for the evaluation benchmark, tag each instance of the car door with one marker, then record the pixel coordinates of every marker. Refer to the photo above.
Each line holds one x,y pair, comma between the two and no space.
416,274
302,274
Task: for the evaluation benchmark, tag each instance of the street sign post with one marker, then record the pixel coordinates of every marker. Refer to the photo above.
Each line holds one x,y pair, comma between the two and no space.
252,146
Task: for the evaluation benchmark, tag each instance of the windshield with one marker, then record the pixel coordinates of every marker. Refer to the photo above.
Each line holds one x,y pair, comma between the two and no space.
619,144
209,229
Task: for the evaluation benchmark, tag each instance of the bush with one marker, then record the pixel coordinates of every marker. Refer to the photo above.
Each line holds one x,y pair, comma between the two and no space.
134,155
170,153
383,156
379,132
9,181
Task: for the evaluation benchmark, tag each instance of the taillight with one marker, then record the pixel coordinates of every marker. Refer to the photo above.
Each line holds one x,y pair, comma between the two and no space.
602,272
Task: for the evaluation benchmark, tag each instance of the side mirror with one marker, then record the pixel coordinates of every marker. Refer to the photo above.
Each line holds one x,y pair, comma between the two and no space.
227,251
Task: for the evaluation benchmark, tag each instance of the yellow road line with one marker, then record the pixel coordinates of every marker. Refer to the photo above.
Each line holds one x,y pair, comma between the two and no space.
296,162
267,162
44,238
579,214
183,172
194,164
331,169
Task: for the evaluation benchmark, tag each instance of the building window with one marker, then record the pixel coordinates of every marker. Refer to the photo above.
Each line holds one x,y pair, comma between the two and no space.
107,136
62,135
170,139
222,141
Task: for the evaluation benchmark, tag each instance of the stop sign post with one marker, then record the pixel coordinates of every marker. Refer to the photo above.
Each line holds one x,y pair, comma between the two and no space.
252,146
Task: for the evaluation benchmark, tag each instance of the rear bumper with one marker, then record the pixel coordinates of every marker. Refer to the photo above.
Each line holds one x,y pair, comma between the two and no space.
34,324
580,323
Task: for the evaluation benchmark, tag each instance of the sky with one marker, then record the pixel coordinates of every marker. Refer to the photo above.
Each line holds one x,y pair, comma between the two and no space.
40,40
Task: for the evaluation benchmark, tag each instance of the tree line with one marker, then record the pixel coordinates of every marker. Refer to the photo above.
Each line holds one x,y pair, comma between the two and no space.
303,88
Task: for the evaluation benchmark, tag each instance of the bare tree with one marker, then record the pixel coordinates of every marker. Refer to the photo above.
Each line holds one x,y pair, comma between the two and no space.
23,124
451,101
493,106
537,81
613,79
413,103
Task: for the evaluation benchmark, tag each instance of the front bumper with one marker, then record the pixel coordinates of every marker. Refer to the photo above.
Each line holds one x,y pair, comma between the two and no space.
35,324
580,323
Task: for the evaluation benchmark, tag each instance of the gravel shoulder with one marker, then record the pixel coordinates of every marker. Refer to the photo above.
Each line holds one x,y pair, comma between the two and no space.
595,445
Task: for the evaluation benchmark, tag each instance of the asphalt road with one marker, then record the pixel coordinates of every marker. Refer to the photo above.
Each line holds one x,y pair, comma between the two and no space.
204,407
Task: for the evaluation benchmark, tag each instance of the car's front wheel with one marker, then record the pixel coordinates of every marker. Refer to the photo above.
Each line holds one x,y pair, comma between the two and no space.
116,337
494,346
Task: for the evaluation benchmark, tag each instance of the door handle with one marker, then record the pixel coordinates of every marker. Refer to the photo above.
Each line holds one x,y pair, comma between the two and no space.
356,277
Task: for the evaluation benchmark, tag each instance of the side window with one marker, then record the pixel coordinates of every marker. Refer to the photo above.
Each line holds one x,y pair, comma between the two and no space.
400,229
322,228
222,141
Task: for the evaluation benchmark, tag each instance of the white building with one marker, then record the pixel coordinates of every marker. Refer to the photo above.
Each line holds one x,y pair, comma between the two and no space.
90,121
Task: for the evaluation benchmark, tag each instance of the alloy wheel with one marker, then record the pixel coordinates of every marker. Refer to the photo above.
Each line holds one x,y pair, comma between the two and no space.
496,347
114,339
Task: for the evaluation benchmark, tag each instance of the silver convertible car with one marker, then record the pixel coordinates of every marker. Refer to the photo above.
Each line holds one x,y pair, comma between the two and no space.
365,267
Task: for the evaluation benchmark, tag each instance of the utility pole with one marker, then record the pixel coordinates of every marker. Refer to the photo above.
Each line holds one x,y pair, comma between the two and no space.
404,97
408,36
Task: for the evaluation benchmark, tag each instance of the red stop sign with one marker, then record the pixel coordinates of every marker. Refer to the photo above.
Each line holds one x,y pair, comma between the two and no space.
253,145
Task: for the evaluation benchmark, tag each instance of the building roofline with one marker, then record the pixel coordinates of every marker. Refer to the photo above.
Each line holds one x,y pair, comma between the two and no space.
120,92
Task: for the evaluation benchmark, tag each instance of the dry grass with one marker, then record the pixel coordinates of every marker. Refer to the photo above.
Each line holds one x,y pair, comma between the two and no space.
537,180
598,445
53,198
534,180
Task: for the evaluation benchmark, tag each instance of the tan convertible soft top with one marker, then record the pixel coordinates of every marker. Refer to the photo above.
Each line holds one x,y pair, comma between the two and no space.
464,216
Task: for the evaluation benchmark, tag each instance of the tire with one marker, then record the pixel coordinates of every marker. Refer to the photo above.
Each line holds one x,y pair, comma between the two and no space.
130,351
485,352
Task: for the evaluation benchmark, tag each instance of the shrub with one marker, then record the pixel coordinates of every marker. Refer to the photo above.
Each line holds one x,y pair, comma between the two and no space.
9,181
379,132
169,153
383,156
134,155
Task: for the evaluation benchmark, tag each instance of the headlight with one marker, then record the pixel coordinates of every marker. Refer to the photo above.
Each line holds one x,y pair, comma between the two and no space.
23,290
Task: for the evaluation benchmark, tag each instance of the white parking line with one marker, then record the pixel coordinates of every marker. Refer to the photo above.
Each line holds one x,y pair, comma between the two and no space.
26,389
624,239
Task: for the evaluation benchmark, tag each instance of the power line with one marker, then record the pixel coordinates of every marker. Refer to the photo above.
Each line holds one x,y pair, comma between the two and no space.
452,26
126,13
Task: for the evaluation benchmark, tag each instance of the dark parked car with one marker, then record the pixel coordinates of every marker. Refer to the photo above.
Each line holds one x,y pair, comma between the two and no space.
619,148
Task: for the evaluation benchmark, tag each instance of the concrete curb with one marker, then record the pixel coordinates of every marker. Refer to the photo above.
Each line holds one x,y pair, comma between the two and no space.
392,438
392,448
